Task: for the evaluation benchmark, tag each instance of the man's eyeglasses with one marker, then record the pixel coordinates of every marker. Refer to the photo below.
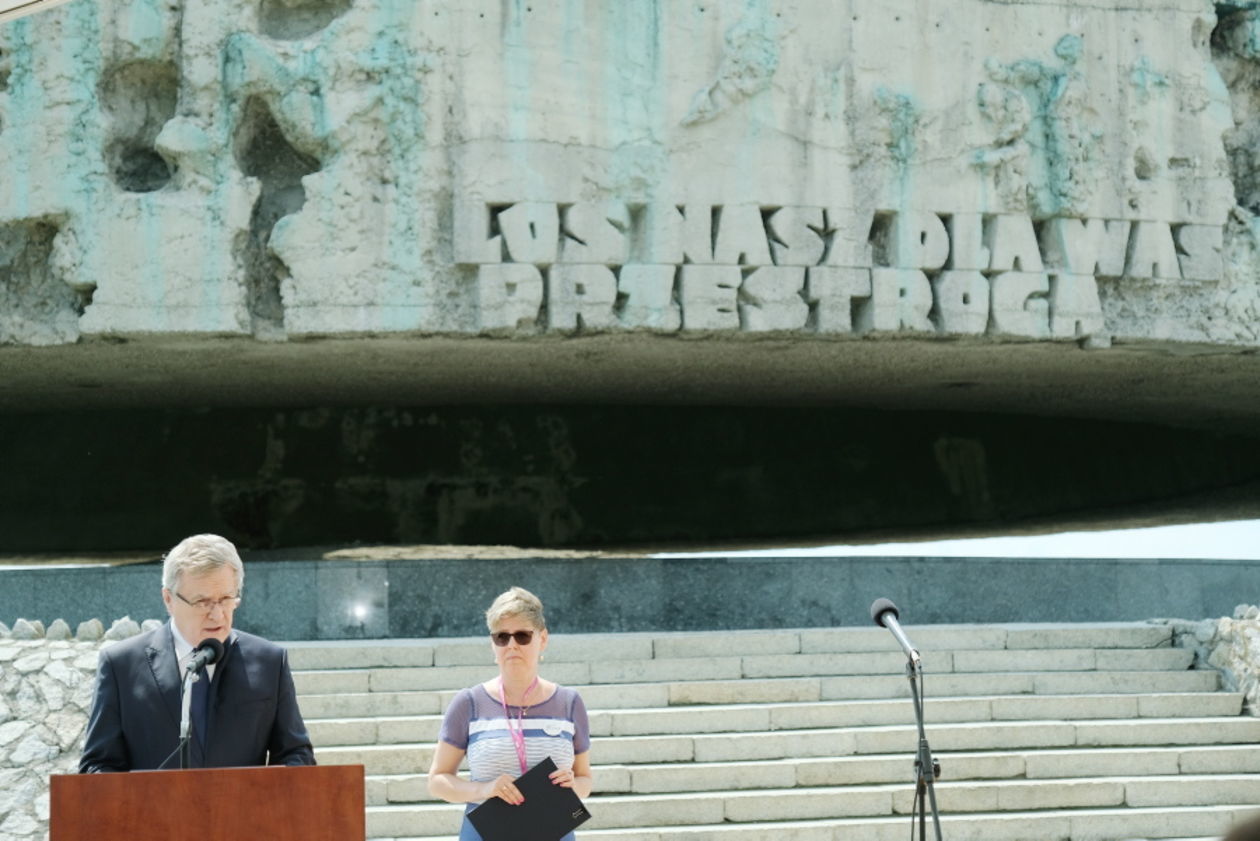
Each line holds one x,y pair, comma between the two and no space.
228,603
521,637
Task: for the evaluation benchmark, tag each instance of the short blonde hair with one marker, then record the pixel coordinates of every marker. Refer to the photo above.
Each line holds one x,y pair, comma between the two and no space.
199,555
517,602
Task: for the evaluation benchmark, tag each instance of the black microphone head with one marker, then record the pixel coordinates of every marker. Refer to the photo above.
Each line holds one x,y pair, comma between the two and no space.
880,607
214,646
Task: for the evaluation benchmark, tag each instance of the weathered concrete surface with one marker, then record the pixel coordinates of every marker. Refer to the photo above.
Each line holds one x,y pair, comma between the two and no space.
1017,208
1019,171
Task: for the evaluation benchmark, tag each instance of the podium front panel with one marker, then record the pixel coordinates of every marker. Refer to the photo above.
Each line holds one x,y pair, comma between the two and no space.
312,803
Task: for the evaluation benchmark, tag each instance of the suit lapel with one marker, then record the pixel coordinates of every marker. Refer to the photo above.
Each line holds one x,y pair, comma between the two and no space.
165,669
222,675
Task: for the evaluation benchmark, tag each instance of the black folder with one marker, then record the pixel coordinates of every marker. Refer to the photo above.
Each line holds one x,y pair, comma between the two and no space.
549,812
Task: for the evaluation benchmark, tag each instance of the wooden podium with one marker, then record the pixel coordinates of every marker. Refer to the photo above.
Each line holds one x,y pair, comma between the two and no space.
309,803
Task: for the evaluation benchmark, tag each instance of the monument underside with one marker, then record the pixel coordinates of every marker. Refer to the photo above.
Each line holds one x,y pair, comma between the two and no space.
1019,208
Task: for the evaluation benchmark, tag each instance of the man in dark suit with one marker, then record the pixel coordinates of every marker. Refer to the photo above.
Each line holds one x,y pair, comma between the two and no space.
247,713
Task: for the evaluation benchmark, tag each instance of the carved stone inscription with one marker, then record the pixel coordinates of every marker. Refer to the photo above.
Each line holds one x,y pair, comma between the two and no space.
568,267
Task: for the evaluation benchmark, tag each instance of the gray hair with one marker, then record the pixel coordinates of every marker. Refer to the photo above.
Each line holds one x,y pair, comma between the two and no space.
517,602
199,555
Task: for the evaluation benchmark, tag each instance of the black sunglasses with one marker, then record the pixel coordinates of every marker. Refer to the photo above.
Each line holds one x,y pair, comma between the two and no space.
521,637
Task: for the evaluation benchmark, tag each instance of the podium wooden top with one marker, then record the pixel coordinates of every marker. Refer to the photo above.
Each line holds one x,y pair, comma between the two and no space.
315,803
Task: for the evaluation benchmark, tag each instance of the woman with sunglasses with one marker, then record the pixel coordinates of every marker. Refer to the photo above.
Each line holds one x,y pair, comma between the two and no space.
511,722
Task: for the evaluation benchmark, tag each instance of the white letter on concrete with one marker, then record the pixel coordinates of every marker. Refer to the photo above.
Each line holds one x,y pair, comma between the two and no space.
1152,252
770,299
1011,239
709,297
918,240
659,239
581,296
674,234
900,298
1075,311
649,292
966,242
831,290
1201,246
741,237
509,295
794,239
851,239
593,233
473,243
1018,304
1095,246
532,231
962,301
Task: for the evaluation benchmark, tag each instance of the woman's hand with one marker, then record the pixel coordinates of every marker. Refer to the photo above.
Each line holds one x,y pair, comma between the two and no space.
562,777
504,788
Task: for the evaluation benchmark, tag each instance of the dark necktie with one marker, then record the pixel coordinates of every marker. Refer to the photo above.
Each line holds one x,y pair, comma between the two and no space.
200,713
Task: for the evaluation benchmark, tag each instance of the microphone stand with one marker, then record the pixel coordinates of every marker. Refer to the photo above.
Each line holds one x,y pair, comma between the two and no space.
926,768
185,720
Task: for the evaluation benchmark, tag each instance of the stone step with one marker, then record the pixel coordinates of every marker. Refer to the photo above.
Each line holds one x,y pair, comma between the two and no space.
840,742
359,704
1089,825
594,671
1083,824
864,770
623,811
724,681
1019,683
1099,731
745,718
423,702
946,737
472,651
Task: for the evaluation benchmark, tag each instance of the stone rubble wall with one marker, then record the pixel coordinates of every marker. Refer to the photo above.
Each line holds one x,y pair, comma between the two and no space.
1231,645
46,682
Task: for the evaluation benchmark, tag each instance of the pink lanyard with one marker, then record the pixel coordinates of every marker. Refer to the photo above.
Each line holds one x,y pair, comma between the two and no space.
518,732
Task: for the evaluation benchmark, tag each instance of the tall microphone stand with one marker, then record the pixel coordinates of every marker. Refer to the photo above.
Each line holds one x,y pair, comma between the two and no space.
926,769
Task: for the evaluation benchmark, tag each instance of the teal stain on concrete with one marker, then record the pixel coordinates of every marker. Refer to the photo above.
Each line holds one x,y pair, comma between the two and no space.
636,110
400,72
1146,81
25,104
903,124
1061,144
903,120
519,86
144,26
150,234
84,66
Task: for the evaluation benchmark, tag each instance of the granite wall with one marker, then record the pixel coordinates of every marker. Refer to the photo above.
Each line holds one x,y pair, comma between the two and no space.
394,592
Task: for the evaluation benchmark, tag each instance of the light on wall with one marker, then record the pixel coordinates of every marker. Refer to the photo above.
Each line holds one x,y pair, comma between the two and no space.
14,9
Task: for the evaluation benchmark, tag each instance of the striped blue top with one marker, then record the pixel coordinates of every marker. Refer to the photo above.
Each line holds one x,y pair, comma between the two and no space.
556,727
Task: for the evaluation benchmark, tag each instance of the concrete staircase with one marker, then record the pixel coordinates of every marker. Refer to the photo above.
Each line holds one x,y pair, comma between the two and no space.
1095,731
